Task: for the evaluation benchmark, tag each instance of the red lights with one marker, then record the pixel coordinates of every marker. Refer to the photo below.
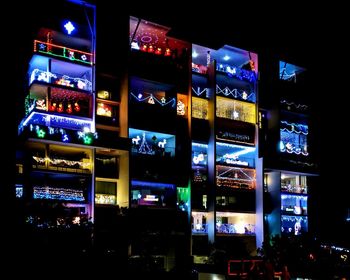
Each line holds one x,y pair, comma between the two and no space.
156,50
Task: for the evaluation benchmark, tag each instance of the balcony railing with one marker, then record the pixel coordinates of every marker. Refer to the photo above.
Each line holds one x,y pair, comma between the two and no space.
244,229
200,228
63,52
59,79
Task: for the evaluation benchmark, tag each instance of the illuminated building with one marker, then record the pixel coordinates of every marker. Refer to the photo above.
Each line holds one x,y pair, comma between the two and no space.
175,132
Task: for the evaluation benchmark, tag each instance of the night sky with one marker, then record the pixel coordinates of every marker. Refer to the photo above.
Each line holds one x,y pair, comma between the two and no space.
301,35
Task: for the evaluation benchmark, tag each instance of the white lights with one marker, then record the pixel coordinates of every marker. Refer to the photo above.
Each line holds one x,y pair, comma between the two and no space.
226,57
194,54
69,27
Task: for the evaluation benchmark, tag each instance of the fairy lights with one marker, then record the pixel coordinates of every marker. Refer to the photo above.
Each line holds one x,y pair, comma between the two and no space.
64,80
236,93
49,120
63,162
151,99
48,192
236,72
107,199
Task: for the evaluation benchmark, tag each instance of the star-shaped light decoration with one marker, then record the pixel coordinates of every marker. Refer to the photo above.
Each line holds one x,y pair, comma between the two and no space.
69,27
235,114
163,100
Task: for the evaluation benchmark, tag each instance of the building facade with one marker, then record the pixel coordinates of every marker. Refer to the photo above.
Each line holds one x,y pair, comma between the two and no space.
179,141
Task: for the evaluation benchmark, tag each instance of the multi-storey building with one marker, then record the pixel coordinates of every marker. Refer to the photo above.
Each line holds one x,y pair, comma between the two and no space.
180,135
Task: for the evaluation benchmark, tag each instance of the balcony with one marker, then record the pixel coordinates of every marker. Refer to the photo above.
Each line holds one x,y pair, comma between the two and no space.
64,80
58,101
63,52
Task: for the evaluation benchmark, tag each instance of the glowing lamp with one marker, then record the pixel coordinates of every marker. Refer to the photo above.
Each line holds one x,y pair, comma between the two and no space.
144,48
167,52
158,51
151,49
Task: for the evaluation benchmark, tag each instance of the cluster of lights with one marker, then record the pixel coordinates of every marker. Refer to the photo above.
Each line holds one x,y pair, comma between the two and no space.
63,162
239,228
294,188
234,177
151,48
58,193
200,175
199,68
293,143
236,93
294,127
108,199
180,108
239,73
235,137
49,120
200,108
151,99
67,108
235,110
200,228
63,135
62,52
63,80
104,110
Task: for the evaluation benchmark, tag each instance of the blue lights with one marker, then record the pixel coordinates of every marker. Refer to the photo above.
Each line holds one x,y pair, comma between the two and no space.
151,184
56,121
69,27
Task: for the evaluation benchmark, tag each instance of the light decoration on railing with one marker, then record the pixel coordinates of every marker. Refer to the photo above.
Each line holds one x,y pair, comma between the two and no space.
198,91
294,188
294,127
239,73
49,120
40,104
234,177
63,80
62,52
236,93
293,138
60,134
238,228
62,162
108,199
290,104
202,69
58,193
151,99
138,183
